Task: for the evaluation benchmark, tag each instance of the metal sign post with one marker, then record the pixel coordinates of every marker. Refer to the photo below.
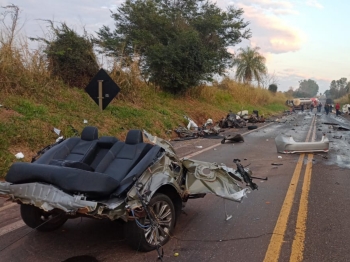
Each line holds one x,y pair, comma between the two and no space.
100,94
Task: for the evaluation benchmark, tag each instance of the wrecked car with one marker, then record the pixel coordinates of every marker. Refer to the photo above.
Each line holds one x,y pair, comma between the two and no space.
232,121
143,184
286,144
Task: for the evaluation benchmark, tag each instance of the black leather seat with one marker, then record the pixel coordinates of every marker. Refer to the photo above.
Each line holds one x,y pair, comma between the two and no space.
111,170
73,149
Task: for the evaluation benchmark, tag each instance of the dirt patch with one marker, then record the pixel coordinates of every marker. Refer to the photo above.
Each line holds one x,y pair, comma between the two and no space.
28,154
6,114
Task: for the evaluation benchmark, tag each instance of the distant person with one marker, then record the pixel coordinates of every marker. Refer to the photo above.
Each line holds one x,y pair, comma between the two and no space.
326,108
312,107
319,107
337,109
330,108
302,108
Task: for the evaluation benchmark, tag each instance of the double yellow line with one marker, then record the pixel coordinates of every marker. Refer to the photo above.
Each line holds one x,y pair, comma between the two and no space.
274,249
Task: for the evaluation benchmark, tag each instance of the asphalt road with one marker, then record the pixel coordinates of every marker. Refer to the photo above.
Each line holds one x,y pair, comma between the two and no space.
300,214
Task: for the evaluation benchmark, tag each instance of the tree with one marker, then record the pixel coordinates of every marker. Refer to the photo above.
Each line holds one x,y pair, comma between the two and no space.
273,88
307,88
70,56
339,88
250,65
178,44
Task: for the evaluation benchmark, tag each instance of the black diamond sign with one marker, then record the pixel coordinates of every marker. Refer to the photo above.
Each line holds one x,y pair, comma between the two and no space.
102,89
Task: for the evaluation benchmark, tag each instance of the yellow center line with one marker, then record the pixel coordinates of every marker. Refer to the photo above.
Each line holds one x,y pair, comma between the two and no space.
299,238
300,229
274,248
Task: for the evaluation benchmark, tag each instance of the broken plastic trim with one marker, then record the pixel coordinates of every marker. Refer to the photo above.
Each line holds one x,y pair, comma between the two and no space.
287,145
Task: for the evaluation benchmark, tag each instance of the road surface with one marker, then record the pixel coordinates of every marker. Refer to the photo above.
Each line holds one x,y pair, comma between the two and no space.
300,214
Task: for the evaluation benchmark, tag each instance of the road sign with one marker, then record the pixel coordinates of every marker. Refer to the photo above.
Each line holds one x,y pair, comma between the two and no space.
102,89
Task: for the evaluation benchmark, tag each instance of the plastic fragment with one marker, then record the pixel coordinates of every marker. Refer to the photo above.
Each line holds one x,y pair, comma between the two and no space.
19,155
85,121
57,131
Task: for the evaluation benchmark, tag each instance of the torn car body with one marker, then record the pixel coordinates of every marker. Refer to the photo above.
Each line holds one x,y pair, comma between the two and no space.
287,145
144,184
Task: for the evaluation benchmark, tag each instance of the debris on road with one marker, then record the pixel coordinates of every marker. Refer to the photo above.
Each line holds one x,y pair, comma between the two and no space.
279,157
234,137
341,128
286,144
337,137
276,164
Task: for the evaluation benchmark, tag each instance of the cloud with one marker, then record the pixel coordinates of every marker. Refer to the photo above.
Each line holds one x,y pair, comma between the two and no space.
314,3
269,31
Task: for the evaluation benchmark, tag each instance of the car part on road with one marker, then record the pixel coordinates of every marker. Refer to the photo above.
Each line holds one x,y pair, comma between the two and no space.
252,127
234,137
143,184
286,144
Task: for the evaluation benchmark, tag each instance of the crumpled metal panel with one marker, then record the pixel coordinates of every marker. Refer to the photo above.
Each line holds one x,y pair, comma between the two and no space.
286,144
204,177
46,197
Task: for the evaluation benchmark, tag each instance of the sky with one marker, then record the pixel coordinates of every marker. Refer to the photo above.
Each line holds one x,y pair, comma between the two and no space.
302,39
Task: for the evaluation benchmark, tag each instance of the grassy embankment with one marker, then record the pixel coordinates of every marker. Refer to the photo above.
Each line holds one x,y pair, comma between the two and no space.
33,103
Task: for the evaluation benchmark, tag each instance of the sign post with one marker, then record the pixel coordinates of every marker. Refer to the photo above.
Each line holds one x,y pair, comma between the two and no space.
100,94
102,89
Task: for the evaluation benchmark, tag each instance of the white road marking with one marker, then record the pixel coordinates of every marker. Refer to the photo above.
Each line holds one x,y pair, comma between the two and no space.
11,227
7,206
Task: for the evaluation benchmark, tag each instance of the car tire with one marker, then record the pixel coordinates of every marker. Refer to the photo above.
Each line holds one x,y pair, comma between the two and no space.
139,239
34,217
252,127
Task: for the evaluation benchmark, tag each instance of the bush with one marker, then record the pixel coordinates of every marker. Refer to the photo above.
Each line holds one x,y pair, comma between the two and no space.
273,88
70,56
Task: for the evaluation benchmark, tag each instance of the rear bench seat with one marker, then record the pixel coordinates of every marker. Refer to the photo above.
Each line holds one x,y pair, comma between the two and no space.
74,149
109,172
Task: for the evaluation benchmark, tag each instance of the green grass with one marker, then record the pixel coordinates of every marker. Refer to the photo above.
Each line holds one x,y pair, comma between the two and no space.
34,103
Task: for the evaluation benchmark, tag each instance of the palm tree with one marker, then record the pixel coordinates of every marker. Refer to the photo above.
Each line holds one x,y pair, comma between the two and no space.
250,65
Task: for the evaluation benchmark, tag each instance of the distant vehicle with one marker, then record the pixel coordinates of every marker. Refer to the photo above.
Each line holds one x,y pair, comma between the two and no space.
298,102
346,108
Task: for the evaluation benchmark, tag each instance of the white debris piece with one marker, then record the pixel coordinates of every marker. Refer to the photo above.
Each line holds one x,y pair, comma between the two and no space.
59,139
85,121
279,157
192,125
199,146
209,121
19,155
57,131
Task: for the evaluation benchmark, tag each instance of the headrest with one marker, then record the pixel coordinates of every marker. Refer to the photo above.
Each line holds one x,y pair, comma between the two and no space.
89,133
134,137
108,139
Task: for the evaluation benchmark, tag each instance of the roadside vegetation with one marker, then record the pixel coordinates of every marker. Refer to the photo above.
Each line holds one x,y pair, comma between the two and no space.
35,99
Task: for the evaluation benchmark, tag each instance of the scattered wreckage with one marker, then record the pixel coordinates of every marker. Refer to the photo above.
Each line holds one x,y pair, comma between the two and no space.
144,184
193,131
286,144
240,119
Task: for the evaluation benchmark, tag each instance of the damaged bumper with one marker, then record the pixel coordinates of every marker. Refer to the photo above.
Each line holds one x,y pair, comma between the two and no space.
286,144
